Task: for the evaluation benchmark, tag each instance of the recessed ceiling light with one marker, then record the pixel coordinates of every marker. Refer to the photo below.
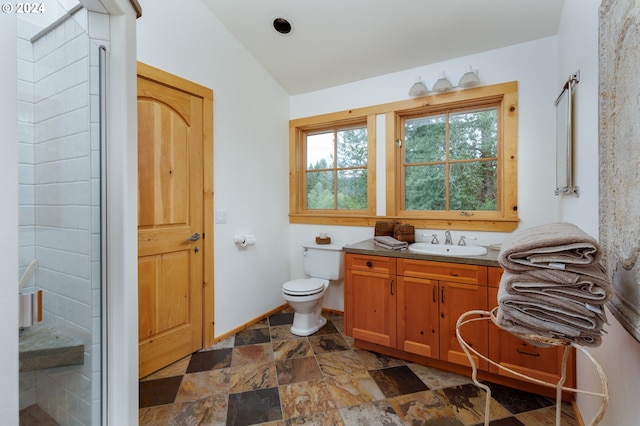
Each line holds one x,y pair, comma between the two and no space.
282,26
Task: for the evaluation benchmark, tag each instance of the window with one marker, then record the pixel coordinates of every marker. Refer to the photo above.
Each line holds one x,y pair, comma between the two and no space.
450,161
332,163
454,163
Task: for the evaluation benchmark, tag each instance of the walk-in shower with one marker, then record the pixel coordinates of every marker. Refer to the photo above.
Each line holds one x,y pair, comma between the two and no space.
60,250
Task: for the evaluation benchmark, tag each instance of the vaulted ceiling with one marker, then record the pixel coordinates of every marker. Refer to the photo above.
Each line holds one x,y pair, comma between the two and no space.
335,42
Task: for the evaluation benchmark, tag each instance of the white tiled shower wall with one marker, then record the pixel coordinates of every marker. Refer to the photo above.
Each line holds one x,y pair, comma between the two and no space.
60,203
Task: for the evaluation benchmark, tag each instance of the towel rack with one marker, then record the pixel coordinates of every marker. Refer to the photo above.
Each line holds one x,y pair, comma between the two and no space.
491,315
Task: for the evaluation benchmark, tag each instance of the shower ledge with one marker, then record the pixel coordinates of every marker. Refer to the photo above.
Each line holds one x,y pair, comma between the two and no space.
45,347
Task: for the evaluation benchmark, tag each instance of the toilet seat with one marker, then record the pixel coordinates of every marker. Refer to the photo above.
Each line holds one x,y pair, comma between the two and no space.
304,287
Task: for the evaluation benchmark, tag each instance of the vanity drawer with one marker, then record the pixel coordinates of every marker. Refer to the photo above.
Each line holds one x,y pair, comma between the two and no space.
377,264
445,271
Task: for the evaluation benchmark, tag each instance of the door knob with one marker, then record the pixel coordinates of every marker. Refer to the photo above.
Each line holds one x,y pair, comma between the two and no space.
194,237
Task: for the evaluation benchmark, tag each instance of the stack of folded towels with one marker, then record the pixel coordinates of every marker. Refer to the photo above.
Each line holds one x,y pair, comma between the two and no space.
553,285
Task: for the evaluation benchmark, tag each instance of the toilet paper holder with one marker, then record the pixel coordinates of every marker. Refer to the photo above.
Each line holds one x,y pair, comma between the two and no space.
244,240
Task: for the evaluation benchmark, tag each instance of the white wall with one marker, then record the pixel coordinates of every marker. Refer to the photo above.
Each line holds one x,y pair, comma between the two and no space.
122,266
8,222
532,64
578,50
619,354
250,152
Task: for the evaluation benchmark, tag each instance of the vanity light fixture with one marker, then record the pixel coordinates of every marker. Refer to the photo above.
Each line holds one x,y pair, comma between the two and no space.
470,78
443,84
418,88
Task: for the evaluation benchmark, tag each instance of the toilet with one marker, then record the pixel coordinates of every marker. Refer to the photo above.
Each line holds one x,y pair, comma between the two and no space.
322,263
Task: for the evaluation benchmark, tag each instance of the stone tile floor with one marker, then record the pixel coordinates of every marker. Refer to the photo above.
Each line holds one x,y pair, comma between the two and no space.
266,375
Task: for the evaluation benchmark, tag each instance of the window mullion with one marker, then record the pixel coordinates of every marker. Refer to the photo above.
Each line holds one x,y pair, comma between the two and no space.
401,164
335,169
447,166
301,161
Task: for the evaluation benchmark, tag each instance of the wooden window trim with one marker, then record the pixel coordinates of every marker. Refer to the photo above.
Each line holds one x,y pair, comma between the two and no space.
505,220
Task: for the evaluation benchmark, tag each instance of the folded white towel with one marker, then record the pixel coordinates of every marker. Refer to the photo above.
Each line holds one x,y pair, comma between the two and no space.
390,242
588,285
549,246
549,316
533,334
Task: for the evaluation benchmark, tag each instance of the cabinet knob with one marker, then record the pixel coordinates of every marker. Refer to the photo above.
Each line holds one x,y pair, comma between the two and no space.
369,264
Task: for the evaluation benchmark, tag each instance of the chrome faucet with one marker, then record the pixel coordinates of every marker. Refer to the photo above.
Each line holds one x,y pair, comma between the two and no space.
463,240
447,238
434,238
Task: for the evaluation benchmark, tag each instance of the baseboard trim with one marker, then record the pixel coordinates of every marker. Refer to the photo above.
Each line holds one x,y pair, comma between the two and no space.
249,323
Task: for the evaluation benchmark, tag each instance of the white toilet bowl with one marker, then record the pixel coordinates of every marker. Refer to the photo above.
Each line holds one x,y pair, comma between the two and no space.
305,298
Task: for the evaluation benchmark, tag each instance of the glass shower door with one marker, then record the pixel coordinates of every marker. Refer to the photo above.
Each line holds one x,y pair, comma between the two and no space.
60,215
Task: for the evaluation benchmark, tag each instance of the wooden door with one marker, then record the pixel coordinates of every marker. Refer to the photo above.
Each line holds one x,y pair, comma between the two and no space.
456,299
418,316
171,145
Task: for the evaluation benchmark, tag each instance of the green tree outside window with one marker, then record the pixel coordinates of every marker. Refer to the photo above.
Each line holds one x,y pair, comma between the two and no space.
450,161
336,172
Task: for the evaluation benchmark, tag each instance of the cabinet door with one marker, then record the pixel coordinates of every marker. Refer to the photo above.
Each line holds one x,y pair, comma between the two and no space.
370,306
456,299
418,316
518,355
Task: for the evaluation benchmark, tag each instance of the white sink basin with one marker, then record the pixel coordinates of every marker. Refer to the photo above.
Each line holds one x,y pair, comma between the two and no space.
446,250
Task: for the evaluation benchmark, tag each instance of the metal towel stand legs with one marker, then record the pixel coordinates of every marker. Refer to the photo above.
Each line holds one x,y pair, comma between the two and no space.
468,350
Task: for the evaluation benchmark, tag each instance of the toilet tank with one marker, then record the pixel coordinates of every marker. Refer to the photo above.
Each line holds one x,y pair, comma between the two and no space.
323,260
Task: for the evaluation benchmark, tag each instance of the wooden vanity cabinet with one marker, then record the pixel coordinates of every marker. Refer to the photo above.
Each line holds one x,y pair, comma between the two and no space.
413,305
542,363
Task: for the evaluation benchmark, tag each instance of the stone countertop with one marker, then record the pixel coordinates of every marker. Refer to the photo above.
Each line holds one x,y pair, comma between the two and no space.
368,247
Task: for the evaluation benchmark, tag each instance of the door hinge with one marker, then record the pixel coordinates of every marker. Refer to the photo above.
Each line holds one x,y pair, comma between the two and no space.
399,143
